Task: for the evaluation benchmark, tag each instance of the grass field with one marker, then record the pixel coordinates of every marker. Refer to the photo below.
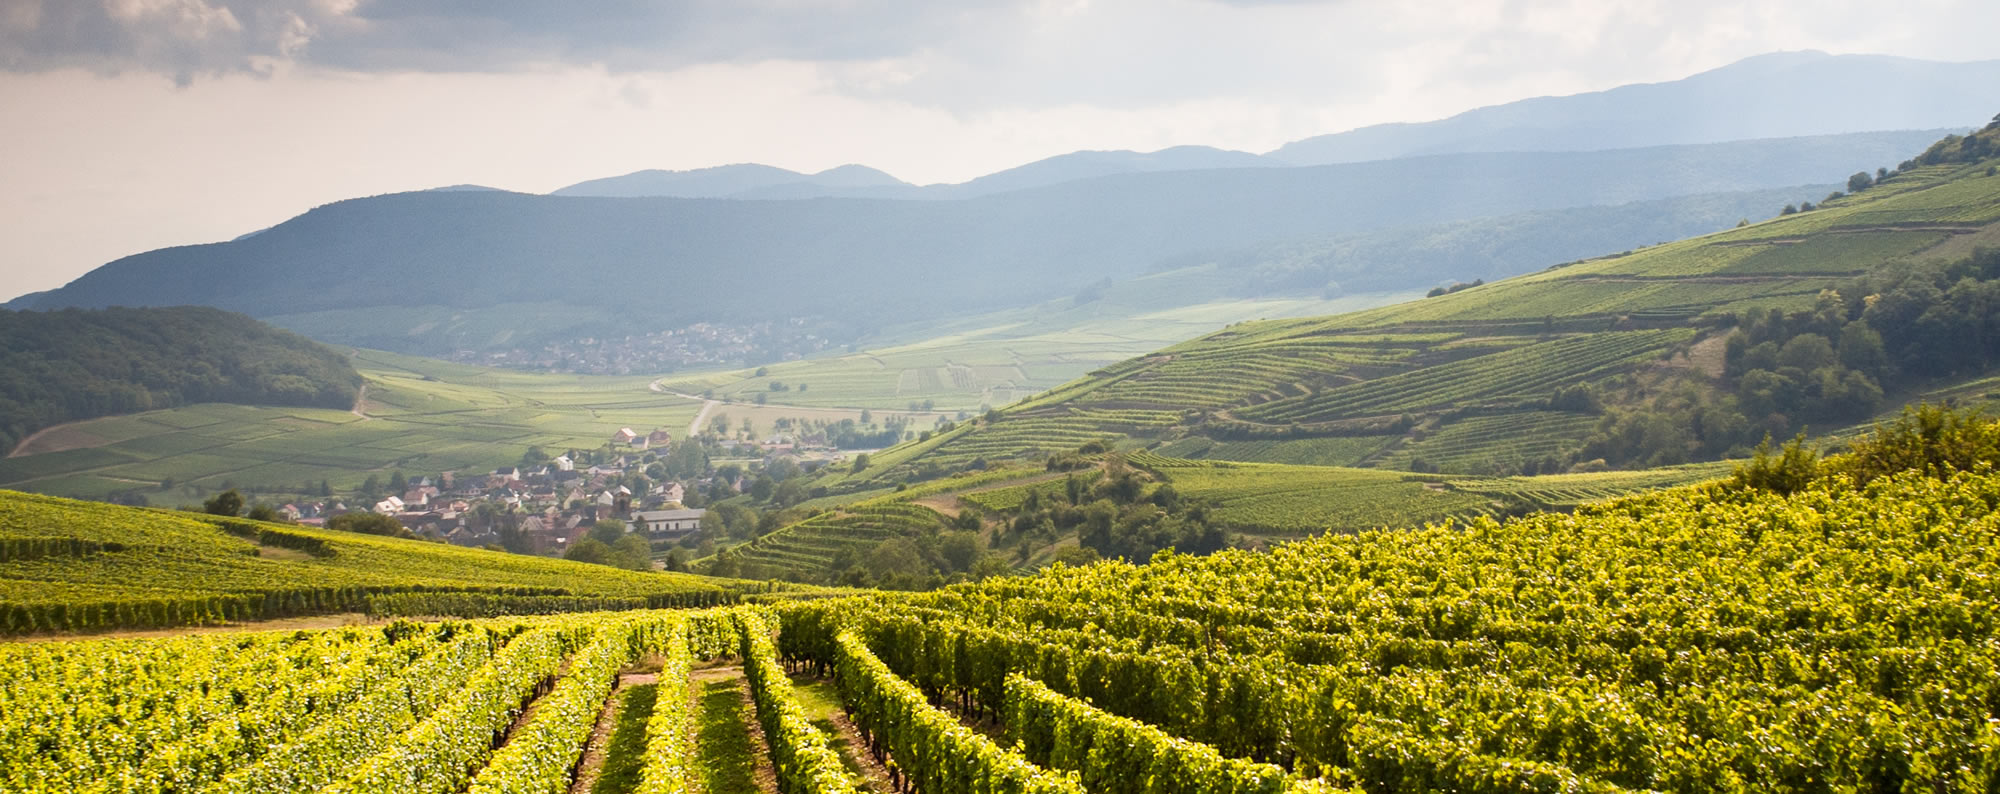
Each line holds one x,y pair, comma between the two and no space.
996,359
418,415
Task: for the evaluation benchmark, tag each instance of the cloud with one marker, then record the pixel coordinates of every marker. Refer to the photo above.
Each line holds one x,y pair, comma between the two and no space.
190,38
975,56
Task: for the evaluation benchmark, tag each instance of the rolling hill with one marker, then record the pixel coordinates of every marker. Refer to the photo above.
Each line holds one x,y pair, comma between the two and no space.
67,565
1627,357
671,262
69,365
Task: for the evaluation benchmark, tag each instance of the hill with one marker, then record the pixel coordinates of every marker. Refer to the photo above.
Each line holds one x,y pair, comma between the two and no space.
1639,645
1716,638
1778,95
728,181
417,415
70,566
1639,358
69,365
672,262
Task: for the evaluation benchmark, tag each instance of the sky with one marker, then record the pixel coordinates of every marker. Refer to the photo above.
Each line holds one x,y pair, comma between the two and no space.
129,125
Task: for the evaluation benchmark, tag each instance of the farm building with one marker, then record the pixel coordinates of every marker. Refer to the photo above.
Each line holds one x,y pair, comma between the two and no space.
667,524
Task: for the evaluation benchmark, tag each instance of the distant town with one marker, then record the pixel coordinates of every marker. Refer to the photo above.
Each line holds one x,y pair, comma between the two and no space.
697,345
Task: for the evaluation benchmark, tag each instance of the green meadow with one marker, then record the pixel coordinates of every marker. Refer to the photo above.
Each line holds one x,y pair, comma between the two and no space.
417,416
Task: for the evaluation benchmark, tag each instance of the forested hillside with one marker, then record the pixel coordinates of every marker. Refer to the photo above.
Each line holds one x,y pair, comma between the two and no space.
1684,351
61,366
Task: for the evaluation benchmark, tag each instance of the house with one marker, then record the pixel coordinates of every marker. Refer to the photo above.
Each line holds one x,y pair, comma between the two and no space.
389,506
624,436
667,524
658,437
563,463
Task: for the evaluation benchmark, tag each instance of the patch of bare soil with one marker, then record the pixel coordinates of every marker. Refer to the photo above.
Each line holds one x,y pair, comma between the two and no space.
57,439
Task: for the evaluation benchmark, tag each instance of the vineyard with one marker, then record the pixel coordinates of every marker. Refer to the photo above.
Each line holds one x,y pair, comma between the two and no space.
1698,639
1433,380
70,566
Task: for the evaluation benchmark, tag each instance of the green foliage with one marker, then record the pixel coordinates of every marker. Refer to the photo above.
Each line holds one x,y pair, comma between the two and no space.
1790,471
1699,639
368,524
75,364
1114,755
926,744
94,567
228,503
804,761
1938,440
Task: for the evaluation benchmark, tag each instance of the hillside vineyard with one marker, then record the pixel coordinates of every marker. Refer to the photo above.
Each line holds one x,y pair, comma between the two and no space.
1699,639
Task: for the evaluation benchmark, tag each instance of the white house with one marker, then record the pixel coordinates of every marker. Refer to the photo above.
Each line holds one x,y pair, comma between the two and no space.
563,463
668,524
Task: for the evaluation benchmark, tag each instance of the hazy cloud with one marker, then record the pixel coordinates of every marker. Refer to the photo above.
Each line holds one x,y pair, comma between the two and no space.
979,55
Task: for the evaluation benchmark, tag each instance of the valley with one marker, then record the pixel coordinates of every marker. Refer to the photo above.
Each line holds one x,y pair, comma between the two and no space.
1632,441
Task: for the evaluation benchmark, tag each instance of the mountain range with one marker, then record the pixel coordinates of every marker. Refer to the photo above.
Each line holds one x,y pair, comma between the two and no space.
707,259
662,249
1779,95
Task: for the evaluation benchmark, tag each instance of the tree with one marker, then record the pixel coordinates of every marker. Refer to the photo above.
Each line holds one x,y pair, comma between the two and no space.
228,503
789,492
1859,182
264,512
867,417
633,553
1807,352
367,524
607,530
398,483
590,550
861,463
371,487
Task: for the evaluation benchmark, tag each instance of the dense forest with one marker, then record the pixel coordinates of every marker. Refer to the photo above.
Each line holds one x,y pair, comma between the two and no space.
73,364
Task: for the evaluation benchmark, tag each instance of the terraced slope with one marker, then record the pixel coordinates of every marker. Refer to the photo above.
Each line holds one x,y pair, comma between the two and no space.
1470,381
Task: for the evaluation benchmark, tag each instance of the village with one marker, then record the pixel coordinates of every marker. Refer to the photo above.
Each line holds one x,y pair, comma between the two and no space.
545,505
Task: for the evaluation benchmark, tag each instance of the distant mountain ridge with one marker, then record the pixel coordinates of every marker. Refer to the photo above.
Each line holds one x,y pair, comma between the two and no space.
754,181
1778,95
728,181
679,261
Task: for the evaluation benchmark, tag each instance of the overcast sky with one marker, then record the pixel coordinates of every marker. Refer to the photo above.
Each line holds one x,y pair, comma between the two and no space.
129,125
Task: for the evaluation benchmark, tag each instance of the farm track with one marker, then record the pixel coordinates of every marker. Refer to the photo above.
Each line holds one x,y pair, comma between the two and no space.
20,450
598,748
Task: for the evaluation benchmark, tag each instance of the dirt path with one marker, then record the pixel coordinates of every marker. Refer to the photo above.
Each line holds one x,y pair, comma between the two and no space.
598,748
21,448
694,425
724,711
361,399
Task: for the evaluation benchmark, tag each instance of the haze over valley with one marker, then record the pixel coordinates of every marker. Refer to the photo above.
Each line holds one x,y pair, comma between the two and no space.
1040,397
